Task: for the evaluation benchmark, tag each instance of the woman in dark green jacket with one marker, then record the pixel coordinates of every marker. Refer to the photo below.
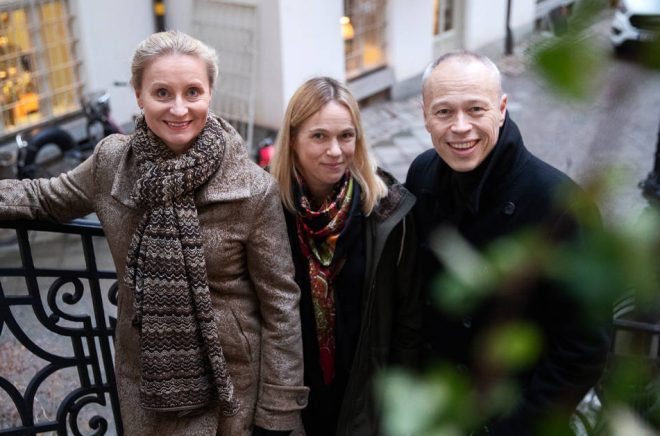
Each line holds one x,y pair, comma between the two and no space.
353,244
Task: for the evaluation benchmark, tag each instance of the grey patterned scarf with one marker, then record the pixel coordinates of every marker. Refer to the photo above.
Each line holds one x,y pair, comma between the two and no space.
183,366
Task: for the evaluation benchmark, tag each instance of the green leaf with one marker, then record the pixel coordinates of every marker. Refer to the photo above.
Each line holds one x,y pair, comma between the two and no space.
410,404
512,346
570,64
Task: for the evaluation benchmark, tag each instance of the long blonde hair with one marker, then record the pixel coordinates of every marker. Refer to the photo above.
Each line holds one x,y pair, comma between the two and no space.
306,101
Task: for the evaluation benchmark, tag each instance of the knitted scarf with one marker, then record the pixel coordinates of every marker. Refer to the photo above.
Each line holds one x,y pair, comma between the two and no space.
318,231
183,366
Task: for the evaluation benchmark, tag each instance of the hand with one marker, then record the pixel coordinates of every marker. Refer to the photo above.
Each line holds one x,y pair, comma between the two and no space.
258,431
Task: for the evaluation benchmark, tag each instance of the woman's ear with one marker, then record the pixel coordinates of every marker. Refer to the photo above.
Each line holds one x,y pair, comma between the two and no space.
138,98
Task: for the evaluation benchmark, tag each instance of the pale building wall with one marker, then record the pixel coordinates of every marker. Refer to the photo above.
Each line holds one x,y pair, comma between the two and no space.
269,97
108,36
409,36
178,15
485,21
311,45
298,39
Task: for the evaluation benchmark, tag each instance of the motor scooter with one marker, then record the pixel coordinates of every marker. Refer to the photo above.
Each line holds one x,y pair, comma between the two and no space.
67,151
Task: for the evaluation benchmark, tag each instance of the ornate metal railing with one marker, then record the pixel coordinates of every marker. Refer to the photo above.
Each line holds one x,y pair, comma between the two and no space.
70,306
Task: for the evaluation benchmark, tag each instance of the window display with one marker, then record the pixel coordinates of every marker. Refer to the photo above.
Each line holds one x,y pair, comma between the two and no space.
37,69
363,30
443,16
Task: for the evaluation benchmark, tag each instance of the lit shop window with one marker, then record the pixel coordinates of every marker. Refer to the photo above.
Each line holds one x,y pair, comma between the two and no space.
363,30
443,16
38,70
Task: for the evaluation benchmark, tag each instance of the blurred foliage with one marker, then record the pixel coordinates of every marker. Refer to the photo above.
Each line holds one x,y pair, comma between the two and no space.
606,264
512,346
572,60
570,64
600,267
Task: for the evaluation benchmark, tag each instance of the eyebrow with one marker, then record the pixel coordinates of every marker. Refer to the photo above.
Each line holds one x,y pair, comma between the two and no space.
444,101
194,82
325,130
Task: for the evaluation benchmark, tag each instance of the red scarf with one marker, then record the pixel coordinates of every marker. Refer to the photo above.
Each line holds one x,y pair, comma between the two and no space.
318,232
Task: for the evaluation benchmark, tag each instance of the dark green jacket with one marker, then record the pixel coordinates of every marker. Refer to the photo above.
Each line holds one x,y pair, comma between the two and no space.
390,312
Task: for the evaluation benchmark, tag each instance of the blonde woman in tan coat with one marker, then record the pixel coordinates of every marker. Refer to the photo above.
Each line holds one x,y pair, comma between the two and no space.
208,335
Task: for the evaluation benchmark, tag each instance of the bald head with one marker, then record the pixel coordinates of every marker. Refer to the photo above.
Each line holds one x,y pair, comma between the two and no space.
466,59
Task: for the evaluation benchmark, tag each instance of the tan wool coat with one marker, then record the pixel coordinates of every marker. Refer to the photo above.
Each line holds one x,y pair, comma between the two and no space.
250,276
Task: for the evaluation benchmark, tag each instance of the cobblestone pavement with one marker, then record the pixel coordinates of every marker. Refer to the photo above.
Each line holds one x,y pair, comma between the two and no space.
396,133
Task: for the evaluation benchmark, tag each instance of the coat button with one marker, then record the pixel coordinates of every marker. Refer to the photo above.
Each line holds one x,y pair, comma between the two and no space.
509,208
301,399
467,322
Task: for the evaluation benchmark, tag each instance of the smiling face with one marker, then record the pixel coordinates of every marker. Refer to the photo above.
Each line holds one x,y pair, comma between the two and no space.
324,146
175,96
463,111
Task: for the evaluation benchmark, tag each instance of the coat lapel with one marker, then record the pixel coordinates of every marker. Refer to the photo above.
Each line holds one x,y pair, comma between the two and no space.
125,179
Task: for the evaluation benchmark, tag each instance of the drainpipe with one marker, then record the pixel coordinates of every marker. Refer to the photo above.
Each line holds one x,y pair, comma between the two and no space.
651,185
508,42
159,15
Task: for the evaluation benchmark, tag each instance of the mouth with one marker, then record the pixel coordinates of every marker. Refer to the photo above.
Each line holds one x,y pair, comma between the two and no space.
334,165
177,125
463,146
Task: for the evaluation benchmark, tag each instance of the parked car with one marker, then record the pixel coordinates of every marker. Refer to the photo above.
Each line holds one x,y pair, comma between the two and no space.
635,21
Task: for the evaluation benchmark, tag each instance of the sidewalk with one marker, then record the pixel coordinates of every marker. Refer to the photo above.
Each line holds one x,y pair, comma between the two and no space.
396,134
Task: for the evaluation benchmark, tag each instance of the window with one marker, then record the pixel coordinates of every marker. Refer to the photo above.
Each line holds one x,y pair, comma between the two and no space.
447,26
443,16
363,30
38,70
231,28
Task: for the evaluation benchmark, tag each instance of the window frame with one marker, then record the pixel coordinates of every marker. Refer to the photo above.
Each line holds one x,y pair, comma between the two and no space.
54,66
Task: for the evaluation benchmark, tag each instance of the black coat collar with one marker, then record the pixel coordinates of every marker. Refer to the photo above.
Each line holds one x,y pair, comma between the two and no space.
500,167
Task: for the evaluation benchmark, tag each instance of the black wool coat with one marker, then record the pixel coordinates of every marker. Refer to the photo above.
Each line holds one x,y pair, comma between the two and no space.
510,191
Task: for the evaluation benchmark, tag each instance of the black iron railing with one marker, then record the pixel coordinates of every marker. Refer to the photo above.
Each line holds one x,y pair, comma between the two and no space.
77,307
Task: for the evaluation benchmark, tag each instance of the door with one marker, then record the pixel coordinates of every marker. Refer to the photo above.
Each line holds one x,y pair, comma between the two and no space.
447,26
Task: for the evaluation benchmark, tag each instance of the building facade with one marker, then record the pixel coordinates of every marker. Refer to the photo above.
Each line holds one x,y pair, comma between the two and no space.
53,51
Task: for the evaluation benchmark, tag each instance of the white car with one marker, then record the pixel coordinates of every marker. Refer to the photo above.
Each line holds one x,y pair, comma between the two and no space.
635,21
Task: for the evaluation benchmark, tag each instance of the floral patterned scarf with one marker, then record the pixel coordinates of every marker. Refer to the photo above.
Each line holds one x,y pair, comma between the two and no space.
318,232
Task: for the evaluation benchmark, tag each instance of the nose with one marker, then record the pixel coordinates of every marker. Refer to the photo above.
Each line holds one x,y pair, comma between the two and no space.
179,107
334,149
461,123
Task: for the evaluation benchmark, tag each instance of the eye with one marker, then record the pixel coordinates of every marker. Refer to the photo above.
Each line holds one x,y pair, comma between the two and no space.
161,93
194,92
318,135
442,111
476,109
347,136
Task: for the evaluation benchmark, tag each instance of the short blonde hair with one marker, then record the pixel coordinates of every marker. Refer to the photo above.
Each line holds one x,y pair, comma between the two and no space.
171,42
306,101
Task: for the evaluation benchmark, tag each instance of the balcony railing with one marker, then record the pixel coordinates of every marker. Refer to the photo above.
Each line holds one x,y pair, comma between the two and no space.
57,325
